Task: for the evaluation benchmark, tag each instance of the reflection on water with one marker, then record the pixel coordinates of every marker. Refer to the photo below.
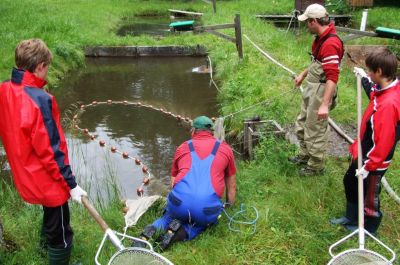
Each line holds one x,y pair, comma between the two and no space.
144,133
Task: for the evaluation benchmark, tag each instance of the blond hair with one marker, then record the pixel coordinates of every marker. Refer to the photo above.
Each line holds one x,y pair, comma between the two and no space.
30,53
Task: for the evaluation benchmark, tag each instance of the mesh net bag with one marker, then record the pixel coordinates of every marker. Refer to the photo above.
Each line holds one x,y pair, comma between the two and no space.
358,257
138,256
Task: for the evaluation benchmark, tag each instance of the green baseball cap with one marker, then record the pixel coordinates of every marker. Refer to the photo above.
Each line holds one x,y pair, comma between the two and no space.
203,123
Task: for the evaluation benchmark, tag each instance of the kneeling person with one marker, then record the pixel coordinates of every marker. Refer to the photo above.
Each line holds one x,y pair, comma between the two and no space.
202,169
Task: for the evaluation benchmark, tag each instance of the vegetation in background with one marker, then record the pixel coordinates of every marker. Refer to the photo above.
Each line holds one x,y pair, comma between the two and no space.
293,227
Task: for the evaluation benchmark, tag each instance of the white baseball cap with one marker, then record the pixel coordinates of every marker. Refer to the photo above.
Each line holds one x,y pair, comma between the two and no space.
313,11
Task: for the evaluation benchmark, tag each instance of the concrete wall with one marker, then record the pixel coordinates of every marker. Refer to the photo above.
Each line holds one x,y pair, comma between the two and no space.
136,51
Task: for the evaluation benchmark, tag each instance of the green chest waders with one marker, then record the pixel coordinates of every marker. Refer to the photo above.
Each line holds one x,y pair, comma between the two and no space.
311,132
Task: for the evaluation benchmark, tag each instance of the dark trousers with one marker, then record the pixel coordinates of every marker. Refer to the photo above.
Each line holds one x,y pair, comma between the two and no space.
56,226
372,190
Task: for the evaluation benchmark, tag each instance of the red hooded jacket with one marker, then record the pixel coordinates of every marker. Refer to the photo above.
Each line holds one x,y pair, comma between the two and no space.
34,140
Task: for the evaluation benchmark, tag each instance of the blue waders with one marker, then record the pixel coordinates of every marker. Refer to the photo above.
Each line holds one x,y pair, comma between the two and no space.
193,200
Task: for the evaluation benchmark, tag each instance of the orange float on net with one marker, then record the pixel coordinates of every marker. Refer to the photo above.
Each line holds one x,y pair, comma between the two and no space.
94,103
113,149
86,131
102,143
125,155
92,137
146,181
109,101
137,161
145,169
125,102
125,209
82,106
140,191
179,117
213,119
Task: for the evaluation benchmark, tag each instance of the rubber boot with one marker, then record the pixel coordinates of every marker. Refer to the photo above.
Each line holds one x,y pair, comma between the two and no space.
372,224
43,243
59,256
350,217
147,233
176,232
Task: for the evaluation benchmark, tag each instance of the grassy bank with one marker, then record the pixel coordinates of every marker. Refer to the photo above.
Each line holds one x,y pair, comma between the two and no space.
293,227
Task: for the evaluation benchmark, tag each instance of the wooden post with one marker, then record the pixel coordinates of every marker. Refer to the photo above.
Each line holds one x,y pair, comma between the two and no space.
214,2
238,35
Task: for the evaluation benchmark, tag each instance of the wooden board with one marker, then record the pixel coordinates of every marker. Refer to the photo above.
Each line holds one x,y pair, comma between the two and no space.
358,3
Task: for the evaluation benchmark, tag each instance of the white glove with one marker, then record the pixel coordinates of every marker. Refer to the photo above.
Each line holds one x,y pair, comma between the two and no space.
360,72
77,193
362,172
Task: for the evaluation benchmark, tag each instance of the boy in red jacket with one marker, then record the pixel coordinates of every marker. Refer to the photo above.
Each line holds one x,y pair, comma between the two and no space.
35,145
380,131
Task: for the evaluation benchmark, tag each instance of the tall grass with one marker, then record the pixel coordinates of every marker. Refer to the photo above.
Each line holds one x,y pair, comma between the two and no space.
293,227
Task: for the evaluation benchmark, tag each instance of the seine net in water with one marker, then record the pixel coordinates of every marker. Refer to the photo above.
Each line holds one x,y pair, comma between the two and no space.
219,130
134,256
359,257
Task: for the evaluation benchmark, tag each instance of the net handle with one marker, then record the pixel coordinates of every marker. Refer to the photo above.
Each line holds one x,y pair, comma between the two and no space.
361,233
93,212
109,233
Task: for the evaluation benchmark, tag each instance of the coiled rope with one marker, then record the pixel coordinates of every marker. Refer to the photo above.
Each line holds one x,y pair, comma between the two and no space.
233,219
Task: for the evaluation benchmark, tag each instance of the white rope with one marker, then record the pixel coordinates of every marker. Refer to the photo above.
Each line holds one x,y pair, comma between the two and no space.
331,122
257,104
211,74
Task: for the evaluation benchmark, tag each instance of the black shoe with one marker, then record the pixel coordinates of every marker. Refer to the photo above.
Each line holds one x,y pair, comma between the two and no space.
147,233
342,221
351,228
298,160
139,244
176,232
310,172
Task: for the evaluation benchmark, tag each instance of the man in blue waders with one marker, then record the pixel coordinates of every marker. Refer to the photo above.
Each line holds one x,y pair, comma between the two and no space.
203,168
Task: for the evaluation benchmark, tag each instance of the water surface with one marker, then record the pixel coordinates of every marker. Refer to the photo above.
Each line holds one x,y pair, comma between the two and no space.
144,133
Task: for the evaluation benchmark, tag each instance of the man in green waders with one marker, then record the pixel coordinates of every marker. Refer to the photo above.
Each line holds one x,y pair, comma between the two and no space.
319,91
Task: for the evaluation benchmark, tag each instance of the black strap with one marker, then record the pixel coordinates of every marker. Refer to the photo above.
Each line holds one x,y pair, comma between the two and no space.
316,53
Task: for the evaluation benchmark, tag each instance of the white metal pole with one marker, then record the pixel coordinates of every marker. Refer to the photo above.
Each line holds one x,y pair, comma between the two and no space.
361,233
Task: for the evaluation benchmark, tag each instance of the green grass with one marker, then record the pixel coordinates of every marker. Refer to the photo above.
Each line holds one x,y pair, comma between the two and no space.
294,212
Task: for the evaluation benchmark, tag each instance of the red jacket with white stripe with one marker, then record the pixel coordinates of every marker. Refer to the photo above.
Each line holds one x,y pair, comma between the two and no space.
34,140
328,49
380,127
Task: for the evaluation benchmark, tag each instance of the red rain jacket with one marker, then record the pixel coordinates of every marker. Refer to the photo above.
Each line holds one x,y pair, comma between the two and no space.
34,141
380,126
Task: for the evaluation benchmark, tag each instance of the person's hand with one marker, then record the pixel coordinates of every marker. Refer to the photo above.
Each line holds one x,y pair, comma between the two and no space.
298,80
362,172
77,193
359,72
323,112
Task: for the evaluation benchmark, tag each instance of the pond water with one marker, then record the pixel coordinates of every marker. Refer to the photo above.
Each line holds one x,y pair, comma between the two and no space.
157,26
151,136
